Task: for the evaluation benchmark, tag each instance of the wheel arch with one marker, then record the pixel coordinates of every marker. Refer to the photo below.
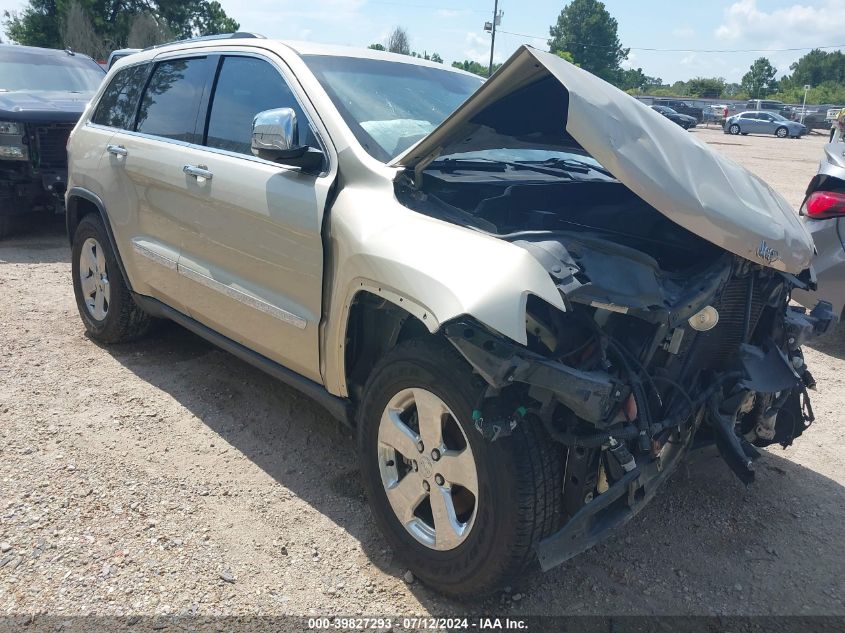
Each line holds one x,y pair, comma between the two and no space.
81,202
377,320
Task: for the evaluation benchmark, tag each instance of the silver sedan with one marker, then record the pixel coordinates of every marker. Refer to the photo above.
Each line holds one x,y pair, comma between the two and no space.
755,122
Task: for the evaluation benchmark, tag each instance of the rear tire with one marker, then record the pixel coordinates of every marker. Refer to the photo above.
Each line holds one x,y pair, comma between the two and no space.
518,477
105,304
734,129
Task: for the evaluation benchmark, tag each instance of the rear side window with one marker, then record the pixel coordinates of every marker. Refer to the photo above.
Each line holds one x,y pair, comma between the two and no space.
171,100
120,99
245,87
749,115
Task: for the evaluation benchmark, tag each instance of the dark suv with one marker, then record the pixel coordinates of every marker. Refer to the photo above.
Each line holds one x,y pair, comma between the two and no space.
681,107
42,94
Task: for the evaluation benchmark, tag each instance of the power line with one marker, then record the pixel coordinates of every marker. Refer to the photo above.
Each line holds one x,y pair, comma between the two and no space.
685,50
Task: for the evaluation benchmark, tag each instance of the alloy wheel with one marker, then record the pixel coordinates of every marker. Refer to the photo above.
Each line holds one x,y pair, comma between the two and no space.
427,469
93,279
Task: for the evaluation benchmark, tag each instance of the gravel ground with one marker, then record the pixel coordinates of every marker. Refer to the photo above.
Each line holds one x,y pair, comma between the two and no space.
167,477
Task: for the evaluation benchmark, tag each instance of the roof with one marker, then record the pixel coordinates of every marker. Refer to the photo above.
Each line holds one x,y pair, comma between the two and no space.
300,48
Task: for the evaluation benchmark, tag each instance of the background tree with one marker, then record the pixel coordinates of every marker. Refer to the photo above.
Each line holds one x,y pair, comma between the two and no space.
706,87
398,41
376,47
474,67
815,68
78,33
636,81
759,81
586,30
40,22
147,31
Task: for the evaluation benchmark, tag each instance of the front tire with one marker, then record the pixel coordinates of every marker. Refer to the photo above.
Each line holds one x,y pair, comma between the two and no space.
781,132
734,129
463,513
105,304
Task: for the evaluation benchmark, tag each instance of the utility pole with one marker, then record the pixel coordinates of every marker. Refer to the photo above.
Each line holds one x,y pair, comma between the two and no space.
804,105
491,27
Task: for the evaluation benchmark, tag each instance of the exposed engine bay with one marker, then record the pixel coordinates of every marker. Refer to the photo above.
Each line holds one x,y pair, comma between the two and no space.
667,340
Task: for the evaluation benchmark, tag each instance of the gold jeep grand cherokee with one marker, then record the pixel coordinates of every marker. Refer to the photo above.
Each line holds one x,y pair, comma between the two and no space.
529,296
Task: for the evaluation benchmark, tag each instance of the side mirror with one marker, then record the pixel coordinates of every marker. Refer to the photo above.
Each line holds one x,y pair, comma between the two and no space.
275,135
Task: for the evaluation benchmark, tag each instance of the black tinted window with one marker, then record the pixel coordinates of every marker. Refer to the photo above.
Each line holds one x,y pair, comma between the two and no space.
170,103
245,87
120,99
749,115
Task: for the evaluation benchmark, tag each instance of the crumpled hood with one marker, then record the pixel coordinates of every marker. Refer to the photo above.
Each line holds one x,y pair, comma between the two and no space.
684,179
41,106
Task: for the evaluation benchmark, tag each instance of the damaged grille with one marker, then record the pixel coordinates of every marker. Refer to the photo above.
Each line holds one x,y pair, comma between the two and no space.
716,348
52,145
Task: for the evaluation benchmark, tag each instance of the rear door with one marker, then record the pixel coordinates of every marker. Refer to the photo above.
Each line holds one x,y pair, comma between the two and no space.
750,122
252,255
148,193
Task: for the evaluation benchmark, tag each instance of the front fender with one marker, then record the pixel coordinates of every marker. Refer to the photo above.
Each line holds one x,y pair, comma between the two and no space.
434,269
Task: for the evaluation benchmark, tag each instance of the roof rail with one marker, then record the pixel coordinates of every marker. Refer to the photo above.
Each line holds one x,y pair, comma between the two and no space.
220,36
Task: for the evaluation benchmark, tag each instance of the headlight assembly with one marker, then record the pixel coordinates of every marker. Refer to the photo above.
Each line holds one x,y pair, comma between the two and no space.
11,127
12,141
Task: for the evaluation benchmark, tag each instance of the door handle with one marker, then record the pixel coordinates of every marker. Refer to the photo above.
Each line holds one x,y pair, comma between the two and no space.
117,150
198,171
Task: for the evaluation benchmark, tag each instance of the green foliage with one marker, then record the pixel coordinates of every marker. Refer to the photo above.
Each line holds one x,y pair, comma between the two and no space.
828,92
434,57
475,67
39,22
377,47
634,80
707,87
566,55
587,31
759,81
816,68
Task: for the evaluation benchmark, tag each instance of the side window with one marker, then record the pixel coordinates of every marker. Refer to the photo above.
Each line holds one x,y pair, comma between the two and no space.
120,99
748,115
245,87
170,103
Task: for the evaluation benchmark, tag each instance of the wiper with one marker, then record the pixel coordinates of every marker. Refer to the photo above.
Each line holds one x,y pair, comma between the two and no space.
571,164
489,164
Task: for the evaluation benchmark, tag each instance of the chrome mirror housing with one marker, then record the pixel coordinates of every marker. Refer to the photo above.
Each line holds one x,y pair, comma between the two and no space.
275,135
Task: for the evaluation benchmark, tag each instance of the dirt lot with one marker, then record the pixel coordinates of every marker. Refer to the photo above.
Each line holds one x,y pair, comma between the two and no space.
167,477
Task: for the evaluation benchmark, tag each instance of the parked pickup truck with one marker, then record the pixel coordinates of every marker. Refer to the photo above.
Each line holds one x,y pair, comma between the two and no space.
42,94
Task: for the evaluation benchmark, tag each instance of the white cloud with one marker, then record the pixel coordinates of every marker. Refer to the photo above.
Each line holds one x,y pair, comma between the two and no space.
631,62
799,24
478,47
451,13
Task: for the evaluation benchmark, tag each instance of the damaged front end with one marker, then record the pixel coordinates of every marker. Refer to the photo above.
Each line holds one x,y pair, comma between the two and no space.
675,268
643,363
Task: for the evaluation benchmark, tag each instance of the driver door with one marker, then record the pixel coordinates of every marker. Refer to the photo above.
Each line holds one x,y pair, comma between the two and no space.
252,252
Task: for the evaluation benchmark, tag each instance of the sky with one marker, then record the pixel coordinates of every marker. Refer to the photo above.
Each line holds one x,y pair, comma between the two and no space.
686,31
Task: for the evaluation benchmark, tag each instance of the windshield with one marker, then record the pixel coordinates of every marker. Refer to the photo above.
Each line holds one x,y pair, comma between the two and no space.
778,117
389,105
37,71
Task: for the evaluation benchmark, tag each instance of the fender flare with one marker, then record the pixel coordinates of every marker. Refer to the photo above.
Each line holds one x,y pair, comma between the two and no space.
72,221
